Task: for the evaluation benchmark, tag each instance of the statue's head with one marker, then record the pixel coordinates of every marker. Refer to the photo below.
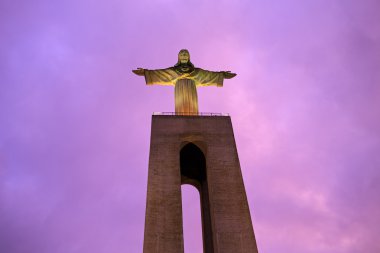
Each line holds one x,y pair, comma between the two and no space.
184,64
183,56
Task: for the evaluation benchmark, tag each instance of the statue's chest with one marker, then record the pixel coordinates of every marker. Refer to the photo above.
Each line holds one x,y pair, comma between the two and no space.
185,84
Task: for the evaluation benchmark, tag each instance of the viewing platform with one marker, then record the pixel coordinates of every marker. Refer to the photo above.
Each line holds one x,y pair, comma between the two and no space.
207,114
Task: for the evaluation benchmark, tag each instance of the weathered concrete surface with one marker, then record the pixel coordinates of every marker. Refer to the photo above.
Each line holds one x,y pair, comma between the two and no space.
224,199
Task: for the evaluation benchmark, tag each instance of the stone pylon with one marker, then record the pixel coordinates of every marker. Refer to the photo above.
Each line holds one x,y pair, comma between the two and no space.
197,150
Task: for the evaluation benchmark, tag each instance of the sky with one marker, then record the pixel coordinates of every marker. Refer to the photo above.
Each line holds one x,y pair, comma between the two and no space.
75,121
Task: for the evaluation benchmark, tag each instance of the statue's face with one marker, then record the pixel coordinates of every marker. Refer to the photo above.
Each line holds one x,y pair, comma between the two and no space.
184,56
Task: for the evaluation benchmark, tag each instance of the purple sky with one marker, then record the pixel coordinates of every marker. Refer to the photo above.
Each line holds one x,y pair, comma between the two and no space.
75,122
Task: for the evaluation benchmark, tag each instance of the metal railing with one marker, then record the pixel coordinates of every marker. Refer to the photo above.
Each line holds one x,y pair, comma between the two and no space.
190,114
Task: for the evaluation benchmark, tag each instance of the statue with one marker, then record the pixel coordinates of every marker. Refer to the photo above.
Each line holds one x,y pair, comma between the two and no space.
185,77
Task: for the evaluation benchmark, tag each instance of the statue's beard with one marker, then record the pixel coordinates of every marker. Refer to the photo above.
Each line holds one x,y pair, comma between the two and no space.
184,67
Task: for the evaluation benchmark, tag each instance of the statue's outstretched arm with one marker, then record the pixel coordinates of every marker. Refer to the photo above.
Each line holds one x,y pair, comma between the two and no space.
157,76
208,78
228,74
139,71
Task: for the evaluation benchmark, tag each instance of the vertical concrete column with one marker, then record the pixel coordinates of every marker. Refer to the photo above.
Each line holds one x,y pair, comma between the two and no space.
230,215
163,219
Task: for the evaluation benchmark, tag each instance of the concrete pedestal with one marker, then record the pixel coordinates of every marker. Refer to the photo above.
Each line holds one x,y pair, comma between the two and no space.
197,150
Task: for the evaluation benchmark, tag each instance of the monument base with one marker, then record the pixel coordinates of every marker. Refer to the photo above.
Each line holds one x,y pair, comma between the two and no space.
197,150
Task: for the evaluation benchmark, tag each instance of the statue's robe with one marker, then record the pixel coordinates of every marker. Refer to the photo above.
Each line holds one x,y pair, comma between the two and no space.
185,91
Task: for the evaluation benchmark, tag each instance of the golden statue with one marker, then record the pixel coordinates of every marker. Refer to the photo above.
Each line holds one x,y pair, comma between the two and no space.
185,77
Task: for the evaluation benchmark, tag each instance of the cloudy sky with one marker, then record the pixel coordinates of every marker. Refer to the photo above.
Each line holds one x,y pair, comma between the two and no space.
75,122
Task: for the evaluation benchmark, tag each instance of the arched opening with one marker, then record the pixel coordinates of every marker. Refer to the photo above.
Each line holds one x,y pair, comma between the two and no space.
192,225
193,172
193,165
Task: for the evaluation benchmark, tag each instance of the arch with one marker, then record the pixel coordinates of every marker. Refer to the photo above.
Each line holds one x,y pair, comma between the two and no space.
194,172
193,165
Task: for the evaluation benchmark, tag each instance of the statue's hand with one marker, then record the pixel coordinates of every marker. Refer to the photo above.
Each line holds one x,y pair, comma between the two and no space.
228,74
139,71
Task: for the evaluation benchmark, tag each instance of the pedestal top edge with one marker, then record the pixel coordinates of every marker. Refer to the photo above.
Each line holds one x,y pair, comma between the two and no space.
200,114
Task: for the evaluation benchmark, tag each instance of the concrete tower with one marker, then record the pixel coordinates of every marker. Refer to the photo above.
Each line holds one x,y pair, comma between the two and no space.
201,151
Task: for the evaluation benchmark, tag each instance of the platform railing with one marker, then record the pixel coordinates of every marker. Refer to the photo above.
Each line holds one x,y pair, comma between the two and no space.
190,114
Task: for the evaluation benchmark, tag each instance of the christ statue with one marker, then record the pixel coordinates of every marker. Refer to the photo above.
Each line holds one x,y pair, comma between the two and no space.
185,78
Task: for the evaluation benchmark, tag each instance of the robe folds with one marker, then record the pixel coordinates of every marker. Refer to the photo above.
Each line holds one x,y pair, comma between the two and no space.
185,85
